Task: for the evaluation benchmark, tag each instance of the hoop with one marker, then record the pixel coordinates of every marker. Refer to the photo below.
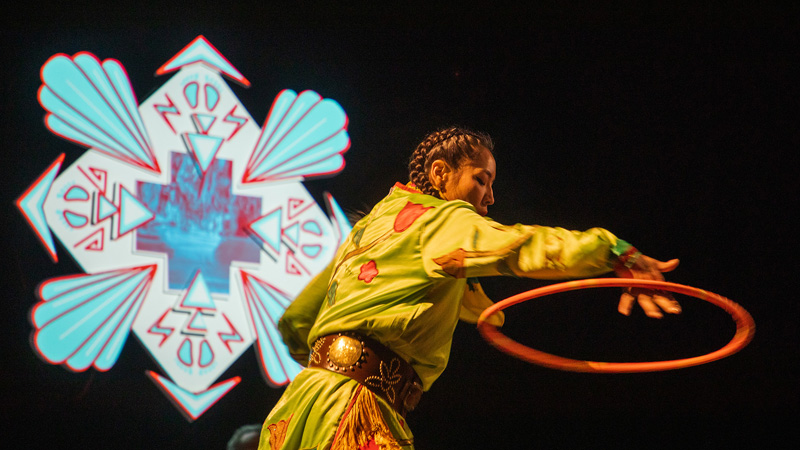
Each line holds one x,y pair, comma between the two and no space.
745,328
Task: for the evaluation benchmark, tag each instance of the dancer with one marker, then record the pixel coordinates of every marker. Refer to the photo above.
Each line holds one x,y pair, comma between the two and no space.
375,327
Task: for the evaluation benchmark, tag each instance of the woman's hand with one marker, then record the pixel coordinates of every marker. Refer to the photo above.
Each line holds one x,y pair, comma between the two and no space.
653,302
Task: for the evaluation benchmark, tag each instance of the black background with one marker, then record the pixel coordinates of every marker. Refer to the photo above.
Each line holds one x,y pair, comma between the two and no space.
675,128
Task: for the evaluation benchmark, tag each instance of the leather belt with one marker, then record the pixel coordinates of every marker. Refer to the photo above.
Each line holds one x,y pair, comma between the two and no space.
372,364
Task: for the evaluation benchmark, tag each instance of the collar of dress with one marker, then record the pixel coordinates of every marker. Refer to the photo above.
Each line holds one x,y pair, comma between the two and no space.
409,187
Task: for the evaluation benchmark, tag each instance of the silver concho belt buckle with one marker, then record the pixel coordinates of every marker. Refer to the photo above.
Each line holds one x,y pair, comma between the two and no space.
346,352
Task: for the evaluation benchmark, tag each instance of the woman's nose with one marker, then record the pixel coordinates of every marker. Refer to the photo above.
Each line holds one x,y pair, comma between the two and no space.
489,196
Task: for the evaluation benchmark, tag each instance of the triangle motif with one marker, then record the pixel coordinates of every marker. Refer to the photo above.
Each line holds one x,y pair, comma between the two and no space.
295,206
100,178
198,295
293,266
93,242
268,229
197,322
105,208
203,122
200,50
193,404
31,204
292,232
132,213
204,148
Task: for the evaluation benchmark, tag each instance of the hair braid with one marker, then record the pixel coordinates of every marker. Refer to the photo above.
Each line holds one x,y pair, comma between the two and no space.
453,145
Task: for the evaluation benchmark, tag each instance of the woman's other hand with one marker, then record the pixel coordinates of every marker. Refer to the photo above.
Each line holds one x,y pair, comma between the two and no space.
653,302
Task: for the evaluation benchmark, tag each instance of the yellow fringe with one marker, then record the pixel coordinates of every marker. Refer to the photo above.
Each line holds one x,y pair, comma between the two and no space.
363,423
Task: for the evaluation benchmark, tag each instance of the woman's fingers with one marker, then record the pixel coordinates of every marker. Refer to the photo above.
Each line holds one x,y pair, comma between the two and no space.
625,303
667,266
651,302
667,304
650,308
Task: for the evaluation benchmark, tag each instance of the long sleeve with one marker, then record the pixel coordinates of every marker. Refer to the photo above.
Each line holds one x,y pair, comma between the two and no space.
300,316
460,243
403,276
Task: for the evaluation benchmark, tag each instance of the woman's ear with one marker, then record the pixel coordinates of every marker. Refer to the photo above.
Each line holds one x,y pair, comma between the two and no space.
439,174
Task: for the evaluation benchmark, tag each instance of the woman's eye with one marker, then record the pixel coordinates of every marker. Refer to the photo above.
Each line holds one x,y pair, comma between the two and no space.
480,181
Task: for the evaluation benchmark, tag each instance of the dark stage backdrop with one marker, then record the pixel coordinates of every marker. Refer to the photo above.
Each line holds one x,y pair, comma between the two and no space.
676,130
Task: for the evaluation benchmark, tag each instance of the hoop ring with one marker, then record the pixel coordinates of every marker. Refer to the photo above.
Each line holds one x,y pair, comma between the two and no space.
745,328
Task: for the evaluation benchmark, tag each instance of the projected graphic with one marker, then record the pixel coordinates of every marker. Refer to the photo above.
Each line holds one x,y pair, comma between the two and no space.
189,220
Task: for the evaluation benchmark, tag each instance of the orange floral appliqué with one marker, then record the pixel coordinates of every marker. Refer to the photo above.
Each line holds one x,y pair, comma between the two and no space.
453,263
408,215
368,271
277,433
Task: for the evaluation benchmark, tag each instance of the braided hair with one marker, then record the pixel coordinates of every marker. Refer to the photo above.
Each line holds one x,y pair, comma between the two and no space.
453,145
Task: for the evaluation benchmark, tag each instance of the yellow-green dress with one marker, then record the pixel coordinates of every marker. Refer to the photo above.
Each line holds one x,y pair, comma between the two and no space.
404,276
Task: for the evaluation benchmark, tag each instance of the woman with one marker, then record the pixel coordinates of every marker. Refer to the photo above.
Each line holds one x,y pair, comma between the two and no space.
375,327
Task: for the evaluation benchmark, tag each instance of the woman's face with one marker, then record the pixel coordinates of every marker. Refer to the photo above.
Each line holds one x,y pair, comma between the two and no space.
472,182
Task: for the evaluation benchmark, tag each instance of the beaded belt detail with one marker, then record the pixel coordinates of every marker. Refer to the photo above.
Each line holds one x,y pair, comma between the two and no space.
372,364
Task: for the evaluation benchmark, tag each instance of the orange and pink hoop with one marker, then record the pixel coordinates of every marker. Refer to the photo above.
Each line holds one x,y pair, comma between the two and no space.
745,328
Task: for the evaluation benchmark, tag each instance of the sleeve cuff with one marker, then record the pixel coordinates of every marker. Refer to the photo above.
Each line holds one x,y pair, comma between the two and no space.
626,253
620,248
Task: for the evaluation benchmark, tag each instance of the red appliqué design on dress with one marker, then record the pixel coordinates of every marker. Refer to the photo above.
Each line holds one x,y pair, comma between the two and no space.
368,272
371,445
408,215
